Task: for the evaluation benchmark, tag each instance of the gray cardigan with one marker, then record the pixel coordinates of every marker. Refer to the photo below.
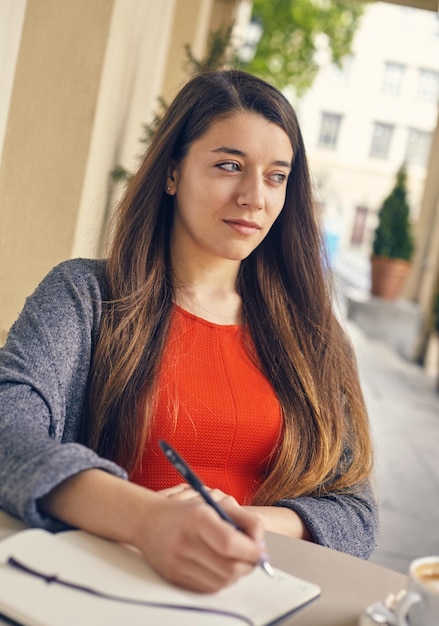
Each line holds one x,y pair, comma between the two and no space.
43,376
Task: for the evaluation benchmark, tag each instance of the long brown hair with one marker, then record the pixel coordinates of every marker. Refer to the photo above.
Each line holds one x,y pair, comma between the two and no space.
286,307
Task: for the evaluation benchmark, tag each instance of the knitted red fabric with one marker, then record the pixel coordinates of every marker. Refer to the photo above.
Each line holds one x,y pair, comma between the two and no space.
215,408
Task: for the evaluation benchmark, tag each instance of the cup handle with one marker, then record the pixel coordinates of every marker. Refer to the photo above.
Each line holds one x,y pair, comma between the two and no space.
403,607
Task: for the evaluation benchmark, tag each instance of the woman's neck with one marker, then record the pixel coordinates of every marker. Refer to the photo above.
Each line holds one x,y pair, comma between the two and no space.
213,305
209,292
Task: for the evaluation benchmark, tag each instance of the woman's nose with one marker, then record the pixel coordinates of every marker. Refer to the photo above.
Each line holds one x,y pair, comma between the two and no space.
251,192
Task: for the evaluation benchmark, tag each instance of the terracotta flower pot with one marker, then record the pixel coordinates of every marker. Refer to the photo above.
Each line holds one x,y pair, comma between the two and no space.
388,276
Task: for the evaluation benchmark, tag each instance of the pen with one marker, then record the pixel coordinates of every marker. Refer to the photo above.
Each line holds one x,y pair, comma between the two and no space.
184,470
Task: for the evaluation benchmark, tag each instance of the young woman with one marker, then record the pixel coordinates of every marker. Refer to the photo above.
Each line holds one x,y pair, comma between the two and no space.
209,325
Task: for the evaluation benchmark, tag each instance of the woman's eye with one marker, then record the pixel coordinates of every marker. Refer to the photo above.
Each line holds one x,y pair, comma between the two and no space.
278,177
229,166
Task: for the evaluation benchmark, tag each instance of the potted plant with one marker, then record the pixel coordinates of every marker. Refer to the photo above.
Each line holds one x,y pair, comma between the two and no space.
393,243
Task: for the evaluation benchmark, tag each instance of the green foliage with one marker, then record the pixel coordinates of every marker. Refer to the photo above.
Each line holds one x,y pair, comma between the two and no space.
286,53
393,235
220,53
119,174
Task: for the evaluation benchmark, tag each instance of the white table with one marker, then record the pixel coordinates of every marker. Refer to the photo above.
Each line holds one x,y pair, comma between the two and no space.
348,584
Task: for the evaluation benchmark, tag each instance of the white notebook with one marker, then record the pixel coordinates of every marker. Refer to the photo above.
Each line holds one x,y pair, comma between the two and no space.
116,570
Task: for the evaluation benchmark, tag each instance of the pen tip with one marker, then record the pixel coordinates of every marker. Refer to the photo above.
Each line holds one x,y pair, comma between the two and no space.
267,567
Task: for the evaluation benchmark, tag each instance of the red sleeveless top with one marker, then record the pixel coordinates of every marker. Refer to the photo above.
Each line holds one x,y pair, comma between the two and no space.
216,409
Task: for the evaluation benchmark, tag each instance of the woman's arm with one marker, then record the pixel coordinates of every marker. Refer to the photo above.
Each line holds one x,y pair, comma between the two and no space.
44,369
282,520
346,522
185,541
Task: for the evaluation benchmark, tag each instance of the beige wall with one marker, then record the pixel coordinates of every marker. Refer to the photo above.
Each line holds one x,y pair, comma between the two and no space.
131,81
48,134
88,76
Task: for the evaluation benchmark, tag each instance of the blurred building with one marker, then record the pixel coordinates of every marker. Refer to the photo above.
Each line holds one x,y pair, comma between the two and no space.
78,80
362,121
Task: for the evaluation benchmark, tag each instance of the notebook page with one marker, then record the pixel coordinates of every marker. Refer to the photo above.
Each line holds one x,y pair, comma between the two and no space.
102,565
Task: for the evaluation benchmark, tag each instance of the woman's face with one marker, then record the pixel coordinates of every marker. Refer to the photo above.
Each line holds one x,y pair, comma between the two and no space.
229,188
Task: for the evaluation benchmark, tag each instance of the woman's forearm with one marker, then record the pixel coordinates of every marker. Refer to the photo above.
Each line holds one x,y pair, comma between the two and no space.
100,503
281,520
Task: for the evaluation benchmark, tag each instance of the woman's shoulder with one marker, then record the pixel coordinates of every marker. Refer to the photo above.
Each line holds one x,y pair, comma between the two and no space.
60,320
80,270
72,288
77,277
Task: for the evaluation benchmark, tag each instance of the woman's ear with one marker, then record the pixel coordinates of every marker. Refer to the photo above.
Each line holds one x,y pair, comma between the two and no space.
171,186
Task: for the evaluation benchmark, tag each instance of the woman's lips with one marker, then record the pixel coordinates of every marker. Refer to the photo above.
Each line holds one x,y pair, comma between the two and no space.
243,227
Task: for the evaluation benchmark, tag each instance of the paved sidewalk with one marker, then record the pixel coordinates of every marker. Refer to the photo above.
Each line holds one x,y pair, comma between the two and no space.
404,413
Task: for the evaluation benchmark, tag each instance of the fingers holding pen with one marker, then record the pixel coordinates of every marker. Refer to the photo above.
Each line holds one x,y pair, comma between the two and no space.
212,541
214,554
191,546
225,554
250,524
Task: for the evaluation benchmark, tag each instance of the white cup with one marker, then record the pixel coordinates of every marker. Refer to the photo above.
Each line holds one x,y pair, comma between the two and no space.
420,605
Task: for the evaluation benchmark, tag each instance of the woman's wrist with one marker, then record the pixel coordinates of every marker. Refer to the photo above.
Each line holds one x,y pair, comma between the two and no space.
283,521
101,503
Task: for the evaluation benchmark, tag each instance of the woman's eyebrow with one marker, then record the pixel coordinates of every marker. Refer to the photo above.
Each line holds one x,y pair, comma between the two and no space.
235,151
228,150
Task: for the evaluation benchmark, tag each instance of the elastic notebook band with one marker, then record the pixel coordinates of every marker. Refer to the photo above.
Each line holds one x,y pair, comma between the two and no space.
12,562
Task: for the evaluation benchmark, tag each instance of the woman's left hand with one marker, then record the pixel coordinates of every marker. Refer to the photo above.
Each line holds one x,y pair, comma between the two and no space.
184,491
276,519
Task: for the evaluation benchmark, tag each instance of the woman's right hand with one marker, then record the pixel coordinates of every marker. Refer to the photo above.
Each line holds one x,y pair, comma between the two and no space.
190,545
184,540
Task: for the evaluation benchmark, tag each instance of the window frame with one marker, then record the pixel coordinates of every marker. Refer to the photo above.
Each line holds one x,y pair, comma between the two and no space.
379,148
330,124
393,78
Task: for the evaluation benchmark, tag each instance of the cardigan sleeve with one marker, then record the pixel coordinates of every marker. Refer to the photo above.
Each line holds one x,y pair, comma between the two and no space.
44,369
347,522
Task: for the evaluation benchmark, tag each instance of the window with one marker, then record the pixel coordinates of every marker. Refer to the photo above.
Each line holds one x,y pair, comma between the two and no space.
381,138
428,85
329,129
418,146
393,76
359,227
